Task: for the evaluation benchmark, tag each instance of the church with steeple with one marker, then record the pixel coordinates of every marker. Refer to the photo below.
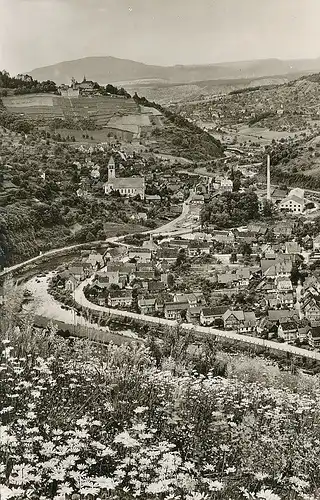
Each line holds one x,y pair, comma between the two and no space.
127,186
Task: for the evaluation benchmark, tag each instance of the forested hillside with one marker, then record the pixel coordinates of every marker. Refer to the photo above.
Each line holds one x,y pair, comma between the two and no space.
39,206
42,172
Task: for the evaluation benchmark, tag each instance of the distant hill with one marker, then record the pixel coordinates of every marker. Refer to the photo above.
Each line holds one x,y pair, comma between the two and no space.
175,93
291,107
284,117
111,69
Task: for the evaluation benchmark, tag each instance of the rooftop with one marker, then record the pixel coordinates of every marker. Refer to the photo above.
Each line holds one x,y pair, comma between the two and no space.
214,311
294,198
139,250
237,314
176,306
126,182
120,294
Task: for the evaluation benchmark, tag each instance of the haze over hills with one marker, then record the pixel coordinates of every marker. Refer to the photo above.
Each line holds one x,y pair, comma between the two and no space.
111,69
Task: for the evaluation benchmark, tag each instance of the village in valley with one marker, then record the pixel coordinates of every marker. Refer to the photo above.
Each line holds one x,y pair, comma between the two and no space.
261,279
212,243
159,250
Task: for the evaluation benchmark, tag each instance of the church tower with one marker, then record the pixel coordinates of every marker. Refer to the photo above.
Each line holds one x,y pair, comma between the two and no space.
111,169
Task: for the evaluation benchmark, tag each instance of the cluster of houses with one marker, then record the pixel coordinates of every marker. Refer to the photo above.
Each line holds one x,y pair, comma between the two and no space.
286,324
90,262
309,300
144,278
255,234
168,185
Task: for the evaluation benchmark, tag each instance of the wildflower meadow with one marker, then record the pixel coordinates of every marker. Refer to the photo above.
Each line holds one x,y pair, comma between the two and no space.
85,422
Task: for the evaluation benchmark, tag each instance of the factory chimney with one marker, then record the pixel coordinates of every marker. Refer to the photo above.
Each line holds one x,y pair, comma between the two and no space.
268,179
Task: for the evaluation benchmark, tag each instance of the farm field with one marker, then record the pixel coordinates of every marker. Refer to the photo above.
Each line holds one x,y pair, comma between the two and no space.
142,120
254,134
261,134
100,109
314,171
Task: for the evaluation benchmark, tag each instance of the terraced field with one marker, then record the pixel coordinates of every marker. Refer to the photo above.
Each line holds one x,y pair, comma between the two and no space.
100,109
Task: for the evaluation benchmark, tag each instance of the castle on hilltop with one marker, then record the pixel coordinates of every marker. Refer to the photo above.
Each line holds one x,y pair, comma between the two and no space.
76,89
127,186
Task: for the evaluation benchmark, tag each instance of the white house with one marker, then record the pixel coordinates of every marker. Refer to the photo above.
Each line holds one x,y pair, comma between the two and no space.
122,298
226,185
284,284
294,202
142,254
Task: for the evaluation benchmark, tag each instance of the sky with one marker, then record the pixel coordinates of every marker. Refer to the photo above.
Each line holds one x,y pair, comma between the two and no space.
36,33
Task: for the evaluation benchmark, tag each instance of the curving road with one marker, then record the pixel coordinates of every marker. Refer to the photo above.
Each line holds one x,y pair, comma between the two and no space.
204,331
173,227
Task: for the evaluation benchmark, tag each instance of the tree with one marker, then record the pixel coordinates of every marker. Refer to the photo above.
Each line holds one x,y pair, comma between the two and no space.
114,287
267,209
181,258
295,275
233,257
231,209
245,249
170,280
90,236
236,184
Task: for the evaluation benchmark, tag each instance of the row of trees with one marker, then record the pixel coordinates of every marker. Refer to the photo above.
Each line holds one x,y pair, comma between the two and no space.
111,89
25,84
15,123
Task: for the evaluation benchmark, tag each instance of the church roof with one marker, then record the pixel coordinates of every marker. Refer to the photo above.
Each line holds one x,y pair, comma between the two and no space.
111,162
126,182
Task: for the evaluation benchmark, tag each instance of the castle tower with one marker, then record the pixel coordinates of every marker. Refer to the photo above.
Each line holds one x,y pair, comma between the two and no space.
111,169
268,179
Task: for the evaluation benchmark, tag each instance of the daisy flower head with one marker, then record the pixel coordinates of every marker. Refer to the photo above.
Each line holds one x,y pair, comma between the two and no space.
267,495
260,476
140,409
105,483
126,440
197,496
